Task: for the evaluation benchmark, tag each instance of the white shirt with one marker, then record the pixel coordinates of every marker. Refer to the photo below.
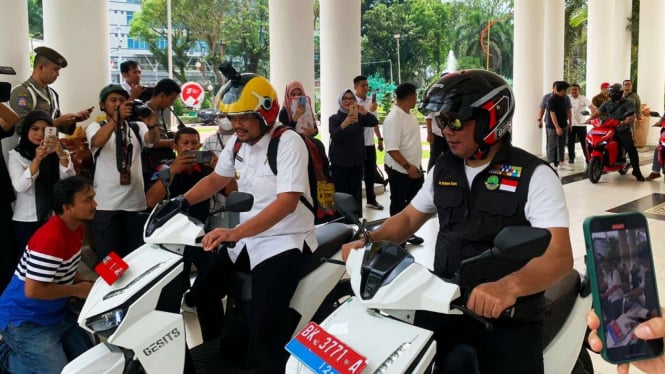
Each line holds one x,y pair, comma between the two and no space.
579,104
401,132
23,181
111,195
545,204
369,131
253,175
435,128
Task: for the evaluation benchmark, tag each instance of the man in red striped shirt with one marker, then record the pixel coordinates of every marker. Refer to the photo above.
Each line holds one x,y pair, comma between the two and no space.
40,333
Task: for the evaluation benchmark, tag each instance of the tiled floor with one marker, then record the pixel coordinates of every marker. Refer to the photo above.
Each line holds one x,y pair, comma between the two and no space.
583,199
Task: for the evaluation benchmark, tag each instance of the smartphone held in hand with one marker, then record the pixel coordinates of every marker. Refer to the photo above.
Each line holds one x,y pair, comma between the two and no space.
623,284
51,133
202,157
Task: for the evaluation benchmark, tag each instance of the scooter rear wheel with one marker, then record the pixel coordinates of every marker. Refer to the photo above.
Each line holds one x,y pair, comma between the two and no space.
595,169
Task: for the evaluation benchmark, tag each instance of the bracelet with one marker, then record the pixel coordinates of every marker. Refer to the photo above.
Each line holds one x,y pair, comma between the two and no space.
380,139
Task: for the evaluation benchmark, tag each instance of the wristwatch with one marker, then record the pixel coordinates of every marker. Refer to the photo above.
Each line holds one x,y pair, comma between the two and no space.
406,166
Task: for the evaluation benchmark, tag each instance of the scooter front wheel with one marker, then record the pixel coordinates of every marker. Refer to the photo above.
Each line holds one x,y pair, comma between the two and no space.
595,169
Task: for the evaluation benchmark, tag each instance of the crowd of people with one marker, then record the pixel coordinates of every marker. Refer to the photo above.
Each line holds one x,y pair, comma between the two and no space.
566,116
140,161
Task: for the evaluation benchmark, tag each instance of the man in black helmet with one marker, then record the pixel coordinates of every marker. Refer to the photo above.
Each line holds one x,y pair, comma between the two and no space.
624,111
481,185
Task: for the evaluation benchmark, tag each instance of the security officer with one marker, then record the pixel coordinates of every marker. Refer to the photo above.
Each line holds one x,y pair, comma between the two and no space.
481,185
35,93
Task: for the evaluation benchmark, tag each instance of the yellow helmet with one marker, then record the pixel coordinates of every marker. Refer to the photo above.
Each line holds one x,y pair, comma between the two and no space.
249,93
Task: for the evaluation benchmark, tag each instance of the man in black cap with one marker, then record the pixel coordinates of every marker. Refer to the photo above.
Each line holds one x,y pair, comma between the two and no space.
35,93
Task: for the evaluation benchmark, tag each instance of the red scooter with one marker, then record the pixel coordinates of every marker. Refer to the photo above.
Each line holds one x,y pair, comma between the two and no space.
661,139
604,152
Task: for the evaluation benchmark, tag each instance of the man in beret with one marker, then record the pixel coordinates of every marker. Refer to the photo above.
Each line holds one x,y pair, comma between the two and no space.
35,93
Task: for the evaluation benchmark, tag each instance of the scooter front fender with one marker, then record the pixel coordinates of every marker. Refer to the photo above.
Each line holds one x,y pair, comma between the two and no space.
100,359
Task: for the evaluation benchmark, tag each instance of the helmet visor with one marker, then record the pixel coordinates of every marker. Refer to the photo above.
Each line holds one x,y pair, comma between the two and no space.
232,94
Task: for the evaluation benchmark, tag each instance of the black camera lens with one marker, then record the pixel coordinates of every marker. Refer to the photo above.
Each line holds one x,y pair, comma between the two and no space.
140,109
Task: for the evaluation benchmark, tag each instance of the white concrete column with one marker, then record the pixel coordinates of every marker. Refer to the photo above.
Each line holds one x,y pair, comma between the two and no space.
553,46
14,49
622,40
601,47
340,53
292,44
650,74
79,30
528,74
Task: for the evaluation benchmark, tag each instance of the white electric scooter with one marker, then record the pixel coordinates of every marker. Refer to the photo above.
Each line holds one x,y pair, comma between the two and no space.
373,331
139,316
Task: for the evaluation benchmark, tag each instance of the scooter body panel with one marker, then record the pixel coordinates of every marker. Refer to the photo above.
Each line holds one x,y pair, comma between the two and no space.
562,352
400,347
146,264
415,288
313,288
100,359
158,341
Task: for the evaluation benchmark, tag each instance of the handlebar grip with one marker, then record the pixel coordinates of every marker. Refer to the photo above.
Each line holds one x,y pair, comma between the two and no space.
509,313
223,245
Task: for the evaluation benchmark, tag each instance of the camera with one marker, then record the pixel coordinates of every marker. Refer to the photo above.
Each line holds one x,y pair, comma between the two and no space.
6,87
140,109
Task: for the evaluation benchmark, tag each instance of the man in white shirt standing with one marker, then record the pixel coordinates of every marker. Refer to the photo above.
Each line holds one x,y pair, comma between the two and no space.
579,104
361,88
404,152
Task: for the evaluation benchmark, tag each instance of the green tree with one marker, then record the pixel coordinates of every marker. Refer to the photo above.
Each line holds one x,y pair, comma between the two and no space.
248,40
35,18
150,25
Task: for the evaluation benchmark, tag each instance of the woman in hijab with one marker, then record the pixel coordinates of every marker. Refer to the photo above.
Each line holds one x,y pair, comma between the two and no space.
37,162
288,116
347,144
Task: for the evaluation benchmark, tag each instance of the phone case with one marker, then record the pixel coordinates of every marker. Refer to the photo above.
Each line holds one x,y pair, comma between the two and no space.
616,332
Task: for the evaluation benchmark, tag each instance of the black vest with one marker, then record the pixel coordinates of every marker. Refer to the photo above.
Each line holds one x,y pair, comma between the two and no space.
470,217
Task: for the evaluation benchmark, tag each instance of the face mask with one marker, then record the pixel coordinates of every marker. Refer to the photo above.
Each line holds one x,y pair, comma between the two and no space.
224,124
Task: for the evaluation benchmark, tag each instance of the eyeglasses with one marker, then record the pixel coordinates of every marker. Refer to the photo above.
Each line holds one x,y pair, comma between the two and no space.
448,119
347,98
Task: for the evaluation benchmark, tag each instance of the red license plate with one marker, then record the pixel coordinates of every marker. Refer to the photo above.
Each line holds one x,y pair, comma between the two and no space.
332,351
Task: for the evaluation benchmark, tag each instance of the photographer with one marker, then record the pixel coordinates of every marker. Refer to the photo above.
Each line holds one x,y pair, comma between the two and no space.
8,118
35,92
117,144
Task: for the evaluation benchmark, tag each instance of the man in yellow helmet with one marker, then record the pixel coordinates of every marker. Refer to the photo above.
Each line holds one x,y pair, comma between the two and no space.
273,239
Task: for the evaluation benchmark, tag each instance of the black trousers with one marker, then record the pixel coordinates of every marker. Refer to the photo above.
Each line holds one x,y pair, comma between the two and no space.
209,308
436,149
402,189
580,132
118,231
511,347
625,139
348,179
274,282
8,259
370,173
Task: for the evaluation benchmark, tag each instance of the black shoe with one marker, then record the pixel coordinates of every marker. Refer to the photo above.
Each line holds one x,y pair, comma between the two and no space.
417,240
374,205
638,175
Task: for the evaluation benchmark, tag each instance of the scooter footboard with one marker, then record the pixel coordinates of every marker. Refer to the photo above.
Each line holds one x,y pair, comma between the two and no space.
100,359
561,353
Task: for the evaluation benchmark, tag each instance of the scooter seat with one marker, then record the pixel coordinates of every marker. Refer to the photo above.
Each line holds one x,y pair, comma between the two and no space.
330,238
559,301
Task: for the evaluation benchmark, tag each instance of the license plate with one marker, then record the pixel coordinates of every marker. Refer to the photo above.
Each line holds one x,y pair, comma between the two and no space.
323,353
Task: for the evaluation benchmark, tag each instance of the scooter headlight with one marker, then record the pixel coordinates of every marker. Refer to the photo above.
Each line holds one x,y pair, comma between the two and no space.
106,323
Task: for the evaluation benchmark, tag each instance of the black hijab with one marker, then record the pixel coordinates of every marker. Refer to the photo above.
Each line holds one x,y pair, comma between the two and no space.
49,168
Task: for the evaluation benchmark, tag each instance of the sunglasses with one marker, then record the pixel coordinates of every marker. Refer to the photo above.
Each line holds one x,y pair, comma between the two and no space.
448,119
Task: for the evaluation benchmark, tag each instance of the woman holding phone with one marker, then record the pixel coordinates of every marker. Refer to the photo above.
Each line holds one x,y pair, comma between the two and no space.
347,144
37,162
295,108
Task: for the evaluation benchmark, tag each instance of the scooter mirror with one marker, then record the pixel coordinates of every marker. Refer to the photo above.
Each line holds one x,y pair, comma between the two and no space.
521,242
346,204
238,202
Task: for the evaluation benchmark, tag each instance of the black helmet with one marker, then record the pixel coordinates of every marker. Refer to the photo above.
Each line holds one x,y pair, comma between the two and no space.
615,92
475,93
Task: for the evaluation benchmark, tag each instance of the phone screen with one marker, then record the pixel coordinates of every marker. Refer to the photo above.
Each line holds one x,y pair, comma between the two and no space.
303,101
623,284
202,157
